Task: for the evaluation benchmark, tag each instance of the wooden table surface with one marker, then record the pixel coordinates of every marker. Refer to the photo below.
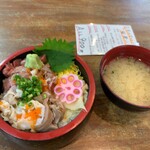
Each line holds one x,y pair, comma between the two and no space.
28,22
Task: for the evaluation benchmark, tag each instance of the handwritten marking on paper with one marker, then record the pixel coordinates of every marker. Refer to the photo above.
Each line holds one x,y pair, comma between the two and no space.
97,39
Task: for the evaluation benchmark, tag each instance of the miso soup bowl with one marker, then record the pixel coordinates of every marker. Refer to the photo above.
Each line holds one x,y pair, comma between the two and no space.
138,53
58,137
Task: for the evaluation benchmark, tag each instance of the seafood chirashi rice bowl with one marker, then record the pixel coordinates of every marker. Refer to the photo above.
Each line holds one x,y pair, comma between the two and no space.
39,97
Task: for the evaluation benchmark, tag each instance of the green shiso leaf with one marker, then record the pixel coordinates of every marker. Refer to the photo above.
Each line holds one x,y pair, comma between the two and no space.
60,53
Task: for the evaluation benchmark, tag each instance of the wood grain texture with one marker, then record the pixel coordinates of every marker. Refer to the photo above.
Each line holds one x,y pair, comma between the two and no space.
27,22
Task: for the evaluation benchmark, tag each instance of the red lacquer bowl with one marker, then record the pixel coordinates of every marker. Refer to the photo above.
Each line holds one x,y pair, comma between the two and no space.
17,134
137,52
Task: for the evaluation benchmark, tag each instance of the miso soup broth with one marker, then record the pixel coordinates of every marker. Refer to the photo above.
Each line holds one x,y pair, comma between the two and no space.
129,79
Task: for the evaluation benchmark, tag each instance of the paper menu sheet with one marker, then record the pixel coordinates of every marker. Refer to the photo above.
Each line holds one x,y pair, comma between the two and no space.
97,39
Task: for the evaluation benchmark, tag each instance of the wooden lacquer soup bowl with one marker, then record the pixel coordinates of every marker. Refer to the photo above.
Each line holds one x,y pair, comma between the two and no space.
137,53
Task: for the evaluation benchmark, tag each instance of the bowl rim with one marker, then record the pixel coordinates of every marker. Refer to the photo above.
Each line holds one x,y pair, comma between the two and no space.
60,131
102,77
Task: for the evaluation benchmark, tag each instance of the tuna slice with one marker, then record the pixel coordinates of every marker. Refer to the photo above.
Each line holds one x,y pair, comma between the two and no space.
7,71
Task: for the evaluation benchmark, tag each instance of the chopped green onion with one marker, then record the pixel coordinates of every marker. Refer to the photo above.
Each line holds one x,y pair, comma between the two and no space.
30,87
44,96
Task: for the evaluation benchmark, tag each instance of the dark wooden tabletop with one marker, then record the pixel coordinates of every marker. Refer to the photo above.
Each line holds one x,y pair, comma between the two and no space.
28,22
